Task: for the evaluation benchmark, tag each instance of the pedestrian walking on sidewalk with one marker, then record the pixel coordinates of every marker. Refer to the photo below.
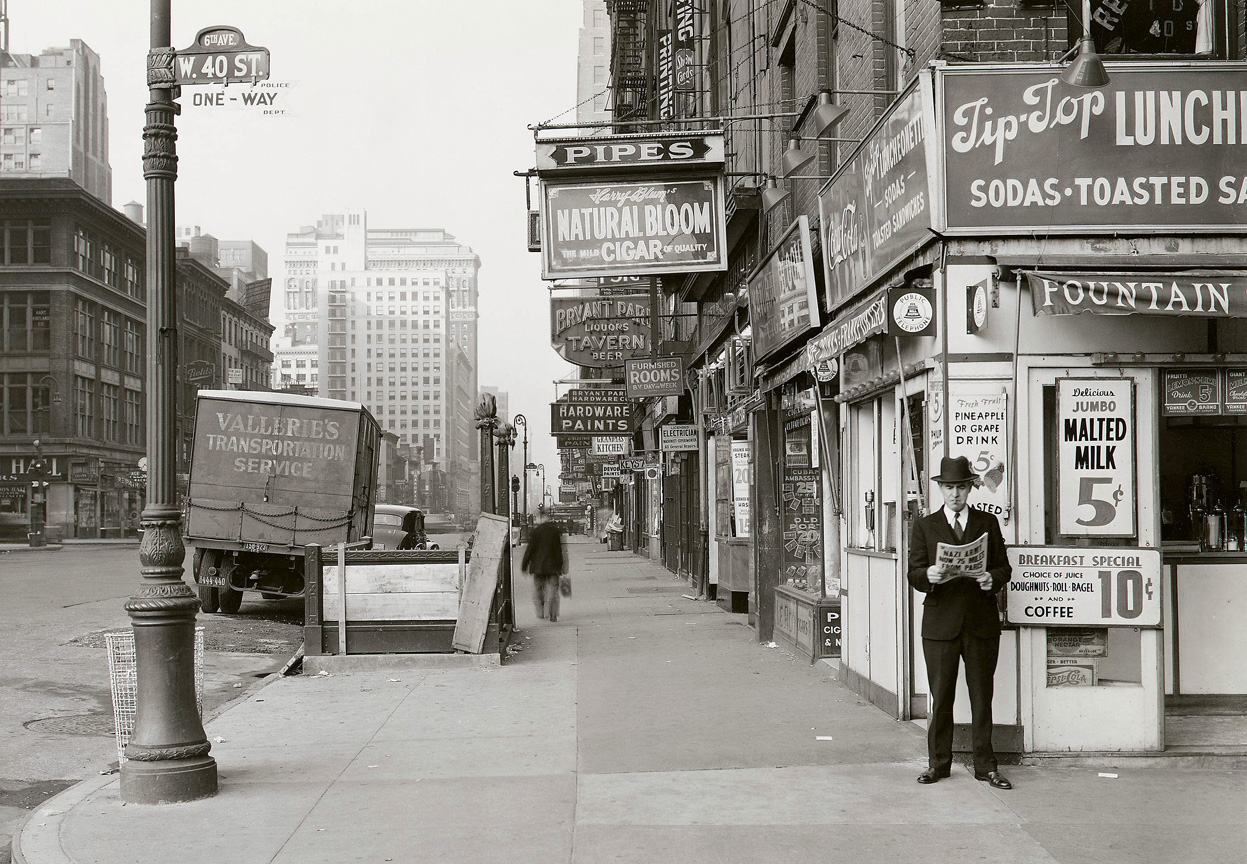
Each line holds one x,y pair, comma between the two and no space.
960,620
546,559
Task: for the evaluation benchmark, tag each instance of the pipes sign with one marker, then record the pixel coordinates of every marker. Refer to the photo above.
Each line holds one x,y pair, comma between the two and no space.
1095,457
220,55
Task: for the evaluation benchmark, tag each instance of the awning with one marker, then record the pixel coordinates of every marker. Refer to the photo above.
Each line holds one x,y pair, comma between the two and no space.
1199,293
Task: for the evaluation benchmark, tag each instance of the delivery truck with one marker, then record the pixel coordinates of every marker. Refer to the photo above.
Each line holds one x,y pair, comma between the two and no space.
270,474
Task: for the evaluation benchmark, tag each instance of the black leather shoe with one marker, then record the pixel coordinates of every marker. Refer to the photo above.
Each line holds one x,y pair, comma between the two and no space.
995,778
932,776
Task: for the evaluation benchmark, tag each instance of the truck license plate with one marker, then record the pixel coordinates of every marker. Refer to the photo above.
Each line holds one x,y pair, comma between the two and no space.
255,547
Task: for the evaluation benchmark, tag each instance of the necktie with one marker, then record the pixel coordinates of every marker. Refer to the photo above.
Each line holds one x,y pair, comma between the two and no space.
957,526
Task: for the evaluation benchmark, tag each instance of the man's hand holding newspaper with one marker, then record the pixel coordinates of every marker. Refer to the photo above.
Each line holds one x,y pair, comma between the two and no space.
968,560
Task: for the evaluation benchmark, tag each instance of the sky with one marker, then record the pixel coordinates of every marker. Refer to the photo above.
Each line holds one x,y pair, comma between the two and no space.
416,110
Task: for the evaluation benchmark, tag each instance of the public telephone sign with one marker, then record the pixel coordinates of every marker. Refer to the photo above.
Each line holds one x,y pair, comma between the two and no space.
1095,457
220,55
1084,586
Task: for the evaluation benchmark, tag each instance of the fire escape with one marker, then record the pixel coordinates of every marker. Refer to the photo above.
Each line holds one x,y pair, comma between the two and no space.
630,82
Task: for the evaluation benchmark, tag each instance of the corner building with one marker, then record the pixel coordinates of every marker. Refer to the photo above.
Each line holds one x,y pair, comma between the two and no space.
1079,338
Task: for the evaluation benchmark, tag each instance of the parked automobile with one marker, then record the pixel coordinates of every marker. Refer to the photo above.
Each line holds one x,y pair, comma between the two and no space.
395,526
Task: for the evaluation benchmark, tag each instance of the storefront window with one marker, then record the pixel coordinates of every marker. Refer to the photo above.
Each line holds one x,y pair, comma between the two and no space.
1173,27
863,466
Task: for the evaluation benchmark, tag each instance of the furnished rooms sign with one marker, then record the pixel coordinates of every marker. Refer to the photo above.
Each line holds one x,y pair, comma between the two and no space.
1159,146
1095,457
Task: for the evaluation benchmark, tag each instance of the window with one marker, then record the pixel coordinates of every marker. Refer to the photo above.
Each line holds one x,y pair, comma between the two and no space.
36,134
134,348
599,45
134,280
17,406
16,87
110,333
1175,27
84,407
13,162
13,135
36,162
51,83
84,329
110,404
13,113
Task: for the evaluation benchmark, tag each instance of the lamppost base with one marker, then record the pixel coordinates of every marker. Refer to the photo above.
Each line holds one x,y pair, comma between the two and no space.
169,781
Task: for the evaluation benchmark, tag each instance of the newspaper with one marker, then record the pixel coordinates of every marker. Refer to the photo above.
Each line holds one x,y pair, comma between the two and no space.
968,560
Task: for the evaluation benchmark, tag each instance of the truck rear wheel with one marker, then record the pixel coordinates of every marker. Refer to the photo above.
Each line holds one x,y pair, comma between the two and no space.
230,600
209,598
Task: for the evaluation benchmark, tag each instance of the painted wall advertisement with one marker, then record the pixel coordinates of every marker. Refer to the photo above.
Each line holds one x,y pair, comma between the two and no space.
782,300
1159,146
1095,457
741,487
627,227
978,430
599,331
877,208
1085,586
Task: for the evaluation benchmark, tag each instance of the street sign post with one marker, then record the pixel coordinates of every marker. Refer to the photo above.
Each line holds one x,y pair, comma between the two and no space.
220,55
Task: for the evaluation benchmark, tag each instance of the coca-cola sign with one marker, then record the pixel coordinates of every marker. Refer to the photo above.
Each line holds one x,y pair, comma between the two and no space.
877,208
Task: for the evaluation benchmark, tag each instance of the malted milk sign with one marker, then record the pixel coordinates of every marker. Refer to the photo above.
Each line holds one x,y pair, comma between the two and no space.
1095,457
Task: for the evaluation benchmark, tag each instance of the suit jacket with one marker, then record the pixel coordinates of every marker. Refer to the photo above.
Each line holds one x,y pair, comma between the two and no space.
545,555
960,603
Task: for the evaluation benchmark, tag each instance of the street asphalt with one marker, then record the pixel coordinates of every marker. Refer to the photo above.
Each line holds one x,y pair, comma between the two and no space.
644,726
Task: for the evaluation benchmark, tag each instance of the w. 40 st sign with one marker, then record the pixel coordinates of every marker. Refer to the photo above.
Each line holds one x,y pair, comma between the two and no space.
220,55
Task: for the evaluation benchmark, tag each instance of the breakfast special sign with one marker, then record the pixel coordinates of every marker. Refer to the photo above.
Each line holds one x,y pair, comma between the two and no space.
1162,145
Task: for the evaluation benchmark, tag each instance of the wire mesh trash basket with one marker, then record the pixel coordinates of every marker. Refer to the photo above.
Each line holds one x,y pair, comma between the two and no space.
123,676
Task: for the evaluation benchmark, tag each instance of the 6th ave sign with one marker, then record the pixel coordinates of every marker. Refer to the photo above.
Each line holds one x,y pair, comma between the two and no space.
220,55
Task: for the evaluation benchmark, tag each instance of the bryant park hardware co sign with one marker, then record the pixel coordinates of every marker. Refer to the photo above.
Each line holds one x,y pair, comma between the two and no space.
600,331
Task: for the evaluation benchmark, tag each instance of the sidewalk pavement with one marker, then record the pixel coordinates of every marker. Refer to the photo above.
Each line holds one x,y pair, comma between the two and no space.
73,541
642,727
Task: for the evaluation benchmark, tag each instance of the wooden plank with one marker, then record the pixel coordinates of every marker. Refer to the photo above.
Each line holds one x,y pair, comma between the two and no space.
492,542
393,578
394,607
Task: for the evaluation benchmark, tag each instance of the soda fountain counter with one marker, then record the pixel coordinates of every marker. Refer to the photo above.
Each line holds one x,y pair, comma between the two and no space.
1203,487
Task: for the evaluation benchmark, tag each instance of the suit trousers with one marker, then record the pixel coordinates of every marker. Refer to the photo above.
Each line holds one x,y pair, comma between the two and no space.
943,658
546,596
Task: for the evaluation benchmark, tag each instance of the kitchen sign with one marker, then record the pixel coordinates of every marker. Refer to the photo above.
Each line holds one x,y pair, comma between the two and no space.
633,227
600,331
782,300
611,445
1157,148
1096,493
877,207
1084,586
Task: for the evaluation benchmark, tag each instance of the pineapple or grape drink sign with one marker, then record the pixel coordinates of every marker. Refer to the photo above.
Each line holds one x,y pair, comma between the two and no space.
978,430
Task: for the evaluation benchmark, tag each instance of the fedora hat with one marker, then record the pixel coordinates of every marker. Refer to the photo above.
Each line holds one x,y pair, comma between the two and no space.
955,469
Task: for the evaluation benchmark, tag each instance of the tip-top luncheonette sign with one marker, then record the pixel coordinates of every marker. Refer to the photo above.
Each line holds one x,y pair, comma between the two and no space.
220,55
1161,145
624,205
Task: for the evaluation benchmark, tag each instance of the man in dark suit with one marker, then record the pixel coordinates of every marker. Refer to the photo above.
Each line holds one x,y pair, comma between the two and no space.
960,622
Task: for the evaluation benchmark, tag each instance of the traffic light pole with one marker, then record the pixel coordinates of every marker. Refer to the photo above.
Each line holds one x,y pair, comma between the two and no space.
167,757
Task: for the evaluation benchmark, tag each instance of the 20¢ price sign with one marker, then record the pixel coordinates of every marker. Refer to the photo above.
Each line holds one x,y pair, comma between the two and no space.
1113,586
1096,459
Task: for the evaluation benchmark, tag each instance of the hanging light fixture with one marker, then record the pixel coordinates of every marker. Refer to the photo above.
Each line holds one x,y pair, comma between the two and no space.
772,195
1086,69
827,114
794,157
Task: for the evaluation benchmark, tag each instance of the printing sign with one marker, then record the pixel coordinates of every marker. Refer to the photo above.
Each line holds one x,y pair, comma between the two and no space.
1084,586
1095,457
626,227
1158,147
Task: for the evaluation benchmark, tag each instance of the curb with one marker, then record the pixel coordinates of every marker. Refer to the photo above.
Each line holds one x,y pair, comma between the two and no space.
44,837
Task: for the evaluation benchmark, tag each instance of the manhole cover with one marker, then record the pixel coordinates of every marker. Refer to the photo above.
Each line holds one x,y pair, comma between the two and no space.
78,724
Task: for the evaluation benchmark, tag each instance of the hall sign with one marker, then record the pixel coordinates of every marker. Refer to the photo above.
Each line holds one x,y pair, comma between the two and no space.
1198,293
782,301
567,418
1084,586
600,331
1158,147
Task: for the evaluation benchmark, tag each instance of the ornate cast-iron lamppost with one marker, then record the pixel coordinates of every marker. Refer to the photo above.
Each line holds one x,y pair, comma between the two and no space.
167,757
522,421
506,440
487,421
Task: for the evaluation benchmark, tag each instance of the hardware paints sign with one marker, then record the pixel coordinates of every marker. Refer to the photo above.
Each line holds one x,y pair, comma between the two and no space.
1160,146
